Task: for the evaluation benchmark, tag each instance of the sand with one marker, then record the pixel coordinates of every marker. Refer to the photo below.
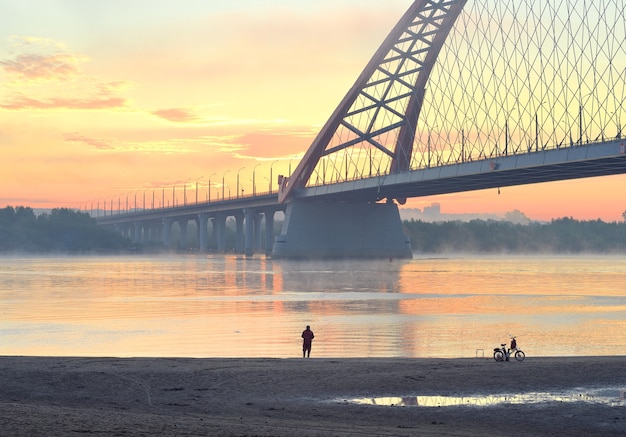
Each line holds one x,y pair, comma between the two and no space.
46,396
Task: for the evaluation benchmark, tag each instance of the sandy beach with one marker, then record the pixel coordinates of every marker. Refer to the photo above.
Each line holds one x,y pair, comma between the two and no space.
45,396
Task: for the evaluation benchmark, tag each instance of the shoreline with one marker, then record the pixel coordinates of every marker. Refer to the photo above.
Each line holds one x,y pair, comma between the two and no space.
308,397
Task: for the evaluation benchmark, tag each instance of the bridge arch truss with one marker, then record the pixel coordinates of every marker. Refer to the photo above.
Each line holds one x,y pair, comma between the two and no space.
466,80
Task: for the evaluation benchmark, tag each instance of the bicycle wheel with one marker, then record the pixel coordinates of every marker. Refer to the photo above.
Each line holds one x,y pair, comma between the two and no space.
520,355
498,356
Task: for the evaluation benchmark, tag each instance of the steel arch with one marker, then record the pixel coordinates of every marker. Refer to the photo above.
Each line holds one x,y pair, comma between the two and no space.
391,87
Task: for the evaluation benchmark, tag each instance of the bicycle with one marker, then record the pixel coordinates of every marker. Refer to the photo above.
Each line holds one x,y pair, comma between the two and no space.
502,354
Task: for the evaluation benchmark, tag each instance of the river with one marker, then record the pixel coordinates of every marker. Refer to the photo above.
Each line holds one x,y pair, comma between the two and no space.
228,306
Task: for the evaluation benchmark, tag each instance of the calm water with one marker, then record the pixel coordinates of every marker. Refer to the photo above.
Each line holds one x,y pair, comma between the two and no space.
216,306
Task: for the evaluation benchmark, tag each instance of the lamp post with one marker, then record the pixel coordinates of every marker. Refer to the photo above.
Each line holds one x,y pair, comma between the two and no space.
223,183
272,165
185,193
136,200
537,125
580,119
238,181
253,179
197,189
209,189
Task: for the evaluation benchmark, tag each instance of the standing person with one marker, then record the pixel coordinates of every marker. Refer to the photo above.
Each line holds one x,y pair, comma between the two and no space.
308,337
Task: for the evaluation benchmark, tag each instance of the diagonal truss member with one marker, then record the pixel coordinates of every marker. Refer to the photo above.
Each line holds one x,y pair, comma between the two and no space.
386,100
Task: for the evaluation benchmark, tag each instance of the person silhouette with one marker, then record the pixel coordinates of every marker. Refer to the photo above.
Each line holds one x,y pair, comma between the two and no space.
308,337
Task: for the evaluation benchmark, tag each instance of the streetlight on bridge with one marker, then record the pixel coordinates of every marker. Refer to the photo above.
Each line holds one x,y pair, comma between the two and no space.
136,199
185,192
253,179
272,165
197,188
209,189
580,119
238,181
223,183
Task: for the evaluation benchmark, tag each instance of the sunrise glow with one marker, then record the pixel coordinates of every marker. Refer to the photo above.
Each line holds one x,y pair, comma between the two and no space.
102,102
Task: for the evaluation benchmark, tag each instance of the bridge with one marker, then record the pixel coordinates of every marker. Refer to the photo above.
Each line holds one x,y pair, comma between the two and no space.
462,95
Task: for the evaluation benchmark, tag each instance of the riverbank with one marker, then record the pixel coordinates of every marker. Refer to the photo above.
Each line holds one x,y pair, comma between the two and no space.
44,396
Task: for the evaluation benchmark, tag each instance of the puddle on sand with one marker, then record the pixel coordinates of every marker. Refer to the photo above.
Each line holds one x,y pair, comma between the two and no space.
606,396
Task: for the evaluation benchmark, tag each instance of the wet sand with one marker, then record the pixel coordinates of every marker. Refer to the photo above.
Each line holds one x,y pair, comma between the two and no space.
43,396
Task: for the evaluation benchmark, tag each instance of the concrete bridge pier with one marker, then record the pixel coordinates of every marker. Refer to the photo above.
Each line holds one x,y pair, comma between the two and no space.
147,232
269,231
214,232
137,227
125,231
250,221
258,221
203,220
158,232
240,235
342,230
182,224
167,232
219,223
248,238
120,229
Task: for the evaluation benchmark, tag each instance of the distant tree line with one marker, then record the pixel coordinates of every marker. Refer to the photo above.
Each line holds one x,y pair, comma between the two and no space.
62,230
563,236
68,231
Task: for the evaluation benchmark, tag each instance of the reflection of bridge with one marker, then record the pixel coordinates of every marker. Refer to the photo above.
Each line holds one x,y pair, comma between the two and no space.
462,95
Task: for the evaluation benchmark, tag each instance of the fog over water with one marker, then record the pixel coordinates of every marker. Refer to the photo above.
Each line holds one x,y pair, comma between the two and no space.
227,306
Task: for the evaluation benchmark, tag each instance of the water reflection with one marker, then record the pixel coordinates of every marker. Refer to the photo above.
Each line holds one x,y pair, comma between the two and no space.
227,306
606,396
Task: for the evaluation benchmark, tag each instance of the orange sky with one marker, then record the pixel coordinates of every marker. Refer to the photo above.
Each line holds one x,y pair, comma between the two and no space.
100,101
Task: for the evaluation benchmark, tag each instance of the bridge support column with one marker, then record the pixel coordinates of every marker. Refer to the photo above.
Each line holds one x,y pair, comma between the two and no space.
182,224
240,237
158,232
342,230
167,232
137,232
203,220
269,231
249,237
214,233
258,241
219,224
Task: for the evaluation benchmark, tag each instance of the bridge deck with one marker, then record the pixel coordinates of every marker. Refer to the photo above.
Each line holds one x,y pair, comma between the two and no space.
589,160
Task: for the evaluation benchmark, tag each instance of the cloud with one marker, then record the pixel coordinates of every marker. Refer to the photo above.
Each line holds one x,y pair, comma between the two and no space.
108,88
41,67
40,61
93,142
179,115
20,101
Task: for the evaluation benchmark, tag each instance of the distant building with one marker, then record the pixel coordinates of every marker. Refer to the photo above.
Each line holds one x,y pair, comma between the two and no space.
433,213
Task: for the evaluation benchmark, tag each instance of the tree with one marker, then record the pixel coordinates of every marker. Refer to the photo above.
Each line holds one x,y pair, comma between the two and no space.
624,215
62,230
